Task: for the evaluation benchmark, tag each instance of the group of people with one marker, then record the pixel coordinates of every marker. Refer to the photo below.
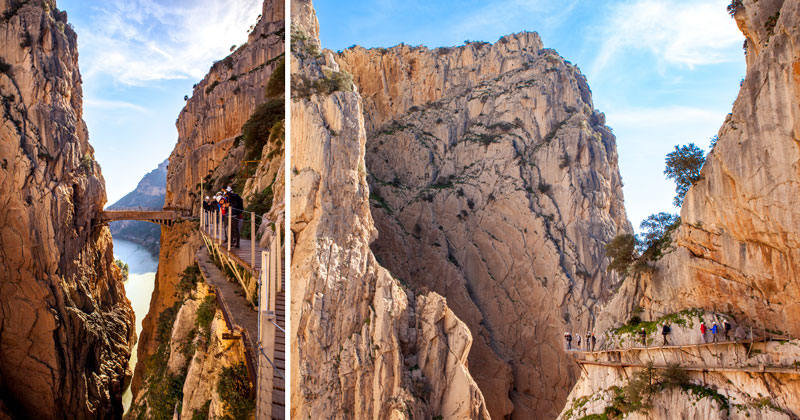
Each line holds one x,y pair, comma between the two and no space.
225,202
666,329
714,329
591,341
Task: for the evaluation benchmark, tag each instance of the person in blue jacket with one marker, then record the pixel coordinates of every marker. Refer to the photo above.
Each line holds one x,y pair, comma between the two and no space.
714,330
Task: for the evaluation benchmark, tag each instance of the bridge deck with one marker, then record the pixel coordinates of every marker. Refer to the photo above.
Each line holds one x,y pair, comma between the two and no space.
239,313
144,215
241,255
750,369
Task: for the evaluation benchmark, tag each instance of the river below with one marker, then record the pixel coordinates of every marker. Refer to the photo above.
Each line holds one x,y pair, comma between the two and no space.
139,288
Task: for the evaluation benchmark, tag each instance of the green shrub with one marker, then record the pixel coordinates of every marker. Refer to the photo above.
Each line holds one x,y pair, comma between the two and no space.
189,279
205,314
334,81
256,131
275,85
123,267
202,413
234,390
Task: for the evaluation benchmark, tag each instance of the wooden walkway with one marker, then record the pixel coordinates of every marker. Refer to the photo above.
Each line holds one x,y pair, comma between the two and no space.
241,255
749,369
163,217
241,318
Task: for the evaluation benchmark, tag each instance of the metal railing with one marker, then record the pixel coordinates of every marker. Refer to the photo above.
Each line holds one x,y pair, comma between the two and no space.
269,288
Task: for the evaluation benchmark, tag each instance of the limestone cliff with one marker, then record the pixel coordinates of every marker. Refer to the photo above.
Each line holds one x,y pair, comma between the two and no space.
211,146
736,251
494,182
365,347
66,327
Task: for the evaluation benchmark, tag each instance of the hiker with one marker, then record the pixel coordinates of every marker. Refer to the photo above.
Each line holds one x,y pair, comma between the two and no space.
594,341
665,330
703,331
643,335
223,209
579,341
588,340
206,209
714,332
568,337
237,206
727,326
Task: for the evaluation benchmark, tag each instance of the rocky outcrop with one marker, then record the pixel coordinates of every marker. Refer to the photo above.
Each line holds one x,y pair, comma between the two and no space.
149,194
736,251
210,146
221,103
365,347
66,327
494,182
737,248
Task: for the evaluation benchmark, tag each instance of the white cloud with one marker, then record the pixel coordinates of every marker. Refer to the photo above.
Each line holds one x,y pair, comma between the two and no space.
679,32
111,104
139,41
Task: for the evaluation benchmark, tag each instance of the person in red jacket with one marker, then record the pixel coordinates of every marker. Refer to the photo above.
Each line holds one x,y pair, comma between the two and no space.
703,331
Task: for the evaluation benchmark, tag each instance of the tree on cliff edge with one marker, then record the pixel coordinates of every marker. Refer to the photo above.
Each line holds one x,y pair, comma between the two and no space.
683,167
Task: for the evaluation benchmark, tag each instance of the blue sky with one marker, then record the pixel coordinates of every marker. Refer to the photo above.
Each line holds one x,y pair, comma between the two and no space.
664,72
138,58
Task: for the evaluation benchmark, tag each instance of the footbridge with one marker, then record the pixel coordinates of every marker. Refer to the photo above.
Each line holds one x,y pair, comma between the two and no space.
161,217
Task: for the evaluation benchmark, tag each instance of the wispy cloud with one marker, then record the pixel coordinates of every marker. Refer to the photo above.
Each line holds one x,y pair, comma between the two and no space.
111,104
678,32
138,41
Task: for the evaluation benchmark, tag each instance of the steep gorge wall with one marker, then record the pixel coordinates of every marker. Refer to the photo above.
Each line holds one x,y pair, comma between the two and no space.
365,346
736,251
494,182
207,148
66,327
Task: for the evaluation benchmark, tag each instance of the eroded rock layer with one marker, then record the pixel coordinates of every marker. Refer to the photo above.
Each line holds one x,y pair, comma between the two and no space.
494,182
738,249
365,346
210,147
66,327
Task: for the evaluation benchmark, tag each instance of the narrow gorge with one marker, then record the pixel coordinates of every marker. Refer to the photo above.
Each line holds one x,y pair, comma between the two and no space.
734,258
66,327
492,182
185,349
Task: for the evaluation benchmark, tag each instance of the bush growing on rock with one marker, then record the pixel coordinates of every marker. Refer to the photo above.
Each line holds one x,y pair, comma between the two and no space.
256,131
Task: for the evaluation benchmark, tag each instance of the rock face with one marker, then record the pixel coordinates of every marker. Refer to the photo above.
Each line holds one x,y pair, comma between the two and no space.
66,325
365,346
494,182
220,104
736,251
149,194
209,147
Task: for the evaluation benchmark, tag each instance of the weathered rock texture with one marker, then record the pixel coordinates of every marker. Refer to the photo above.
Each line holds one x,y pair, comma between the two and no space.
207,148
365,346
494,182
66,327
221,103
149,194
738,249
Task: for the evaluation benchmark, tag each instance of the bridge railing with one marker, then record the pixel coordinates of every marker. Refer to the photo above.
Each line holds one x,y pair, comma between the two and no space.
220,225
269,288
